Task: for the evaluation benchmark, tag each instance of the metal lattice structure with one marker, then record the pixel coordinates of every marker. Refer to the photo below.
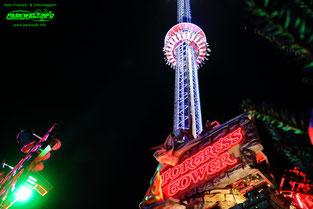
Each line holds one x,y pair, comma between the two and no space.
183,11
185,48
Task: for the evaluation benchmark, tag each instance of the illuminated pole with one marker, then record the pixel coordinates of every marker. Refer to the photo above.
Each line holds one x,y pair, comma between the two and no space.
185,49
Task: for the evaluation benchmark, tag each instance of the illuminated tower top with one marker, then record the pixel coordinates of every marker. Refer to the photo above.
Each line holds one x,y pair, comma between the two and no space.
185,49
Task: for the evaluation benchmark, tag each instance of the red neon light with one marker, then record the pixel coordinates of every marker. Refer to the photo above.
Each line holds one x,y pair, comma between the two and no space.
208,161
301,204
209,168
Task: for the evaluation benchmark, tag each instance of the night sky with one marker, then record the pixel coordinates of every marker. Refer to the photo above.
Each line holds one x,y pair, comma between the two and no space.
99,72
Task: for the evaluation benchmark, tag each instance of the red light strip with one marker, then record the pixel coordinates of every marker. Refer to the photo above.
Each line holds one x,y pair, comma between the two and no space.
300,202
208,161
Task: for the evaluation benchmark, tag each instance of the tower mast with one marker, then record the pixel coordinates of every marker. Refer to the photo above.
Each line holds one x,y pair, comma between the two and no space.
183,11
185,49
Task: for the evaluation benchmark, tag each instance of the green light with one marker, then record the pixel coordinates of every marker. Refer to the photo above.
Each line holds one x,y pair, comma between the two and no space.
31,180
23,193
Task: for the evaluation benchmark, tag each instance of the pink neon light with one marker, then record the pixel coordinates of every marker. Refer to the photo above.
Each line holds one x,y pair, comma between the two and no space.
5,190
19,167
210,160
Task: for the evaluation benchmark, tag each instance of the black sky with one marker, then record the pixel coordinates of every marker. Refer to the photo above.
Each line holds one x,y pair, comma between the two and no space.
98,71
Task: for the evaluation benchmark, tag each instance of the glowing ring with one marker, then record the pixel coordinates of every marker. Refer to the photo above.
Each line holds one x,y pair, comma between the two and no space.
185,32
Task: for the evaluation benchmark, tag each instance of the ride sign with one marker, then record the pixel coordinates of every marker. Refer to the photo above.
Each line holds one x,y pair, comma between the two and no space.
205,162
215,159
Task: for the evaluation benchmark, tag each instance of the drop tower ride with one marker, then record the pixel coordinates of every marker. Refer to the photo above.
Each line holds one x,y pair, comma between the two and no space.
224,166
185,48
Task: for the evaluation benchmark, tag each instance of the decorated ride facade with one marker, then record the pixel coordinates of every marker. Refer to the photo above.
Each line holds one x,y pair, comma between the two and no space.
220,158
